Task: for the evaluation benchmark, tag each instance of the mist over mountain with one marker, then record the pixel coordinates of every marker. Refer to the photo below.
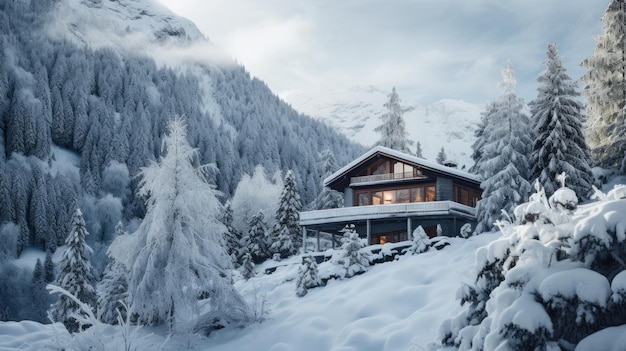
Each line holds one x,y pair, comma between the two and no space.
356,112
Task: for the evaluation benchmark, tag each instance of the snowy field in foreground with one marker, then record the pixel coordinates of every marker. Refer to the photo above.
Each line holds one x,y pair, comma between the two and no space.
395,306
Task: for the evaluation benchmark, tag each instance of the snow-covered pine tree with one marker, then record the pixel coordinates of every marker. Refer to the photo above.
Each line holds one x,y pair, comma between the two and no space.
286,236
355,260
247,266
605,88
328,198
308,276
75,275
503,163
421,243
176,258
112,292
558,121
256,239
418,150
232,236
392,131
441,156
48,268
39,301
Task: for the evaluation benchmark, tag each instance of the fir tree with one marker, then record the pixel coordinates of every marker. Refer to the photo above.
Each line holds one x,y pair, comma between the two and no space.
256,239
48,269
247,266
557,118
328,198
418,150
76,275
441,156
39,296
286,238
113,292
503,163
232,237
355,260
177,257
605,88
420,241
392,131
308,276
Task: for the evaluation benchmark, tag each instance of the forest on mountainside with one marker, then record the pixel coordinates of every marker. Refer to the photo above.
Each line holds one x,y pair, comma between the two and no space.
110,108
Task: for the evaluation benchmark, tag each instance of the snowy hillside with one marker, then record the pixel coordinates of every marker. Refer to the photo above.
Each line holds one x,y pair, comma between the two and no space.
395,306
355,112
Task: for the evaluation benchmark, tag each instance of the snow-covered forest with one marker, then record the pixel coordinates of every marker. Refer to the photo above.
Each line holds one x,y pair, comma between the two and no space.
148,202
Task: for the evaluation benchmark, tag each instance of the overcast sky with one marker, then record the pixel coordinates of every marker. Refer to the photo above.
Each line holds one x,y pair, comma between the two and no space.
428,49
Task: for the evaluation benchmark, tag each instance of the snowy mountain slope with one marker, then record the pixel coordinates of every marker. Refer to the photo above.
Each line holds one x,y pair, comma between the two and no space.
129,24
355,112
394,306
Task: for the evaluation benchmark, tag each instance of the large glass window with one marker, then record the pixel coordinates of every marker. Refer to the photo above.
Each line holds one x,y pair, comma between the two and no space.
419,193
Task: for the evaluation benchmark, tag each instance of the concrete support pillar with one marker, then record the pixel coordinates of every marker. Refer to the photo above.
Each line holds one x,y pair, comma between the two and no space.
317,235
409,229
368,231
303,239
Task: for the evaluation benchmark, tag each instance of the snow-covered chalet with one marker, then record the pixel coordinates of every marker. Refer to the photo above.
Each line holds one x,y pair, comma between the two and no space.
387,194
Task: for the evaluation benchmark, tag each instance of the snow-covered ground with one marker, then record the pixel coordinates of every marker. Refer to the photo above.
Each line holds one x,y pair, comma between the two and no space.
356,112
394,306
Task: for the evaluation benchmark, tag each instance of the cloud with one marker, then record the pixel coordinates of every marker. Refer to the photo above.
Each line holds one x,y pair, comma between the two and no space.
433,48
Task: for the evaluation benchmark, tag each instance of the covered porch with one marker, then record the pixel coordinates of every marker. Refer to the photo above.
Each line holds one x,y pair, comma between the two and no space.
391,223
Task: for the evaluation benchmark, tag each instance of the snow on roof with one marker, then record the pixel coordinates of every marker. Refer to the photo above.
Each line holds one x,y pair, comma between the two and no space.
400,155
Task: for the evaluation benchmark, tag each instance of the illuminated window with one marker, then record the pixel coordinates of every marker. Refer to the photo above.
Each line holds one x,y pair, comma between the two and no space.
382,239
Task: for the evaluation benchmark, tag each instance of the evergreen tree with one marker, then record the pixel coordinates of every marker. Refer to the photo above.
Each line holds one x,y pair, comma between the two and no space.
308,276
286,235
76,275
355,260
418,150
503,163
39,296
392,131
180,243
605,88
328,198
256,239
557,119
421,243
247,266
48,269
232,237
112,292
441,156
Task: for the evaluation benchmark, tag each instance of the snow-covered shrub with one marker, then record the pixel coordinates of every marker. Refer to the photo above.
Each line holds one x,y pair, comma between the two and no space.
420,241
466,231
247,265
355,260
532,292
308,276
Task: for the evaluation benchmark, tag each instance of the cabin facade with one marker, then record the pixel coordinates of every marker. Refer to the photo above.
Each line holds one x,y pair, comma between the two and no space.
387,194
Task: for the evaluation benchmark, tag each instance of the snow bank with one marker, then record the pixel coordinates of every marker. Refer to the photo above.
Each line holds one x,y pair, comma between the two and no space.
609,339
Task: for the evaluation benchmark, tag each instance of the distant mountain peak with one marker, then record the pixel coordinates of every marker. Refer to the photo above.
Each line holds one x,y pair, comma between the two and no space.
355,112
130,24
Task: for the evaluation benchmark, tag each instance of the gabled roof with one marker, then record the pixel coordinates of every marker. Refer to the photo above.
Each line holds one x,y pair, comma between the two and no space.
400,156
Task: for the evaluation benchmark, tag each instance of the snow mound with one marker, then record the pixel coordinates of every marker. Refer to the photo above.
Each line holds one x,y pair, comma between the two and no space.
609,339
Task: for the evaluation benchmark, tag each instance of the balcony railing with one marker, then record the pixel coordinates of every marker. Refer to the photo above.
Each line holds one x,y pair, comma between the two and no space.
383,177
384,211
